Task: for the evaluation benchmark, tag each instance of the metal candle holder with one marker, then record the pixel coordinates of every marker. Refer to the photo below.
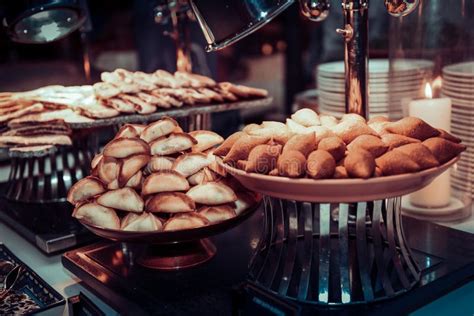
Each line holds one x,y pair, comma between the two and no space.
315,253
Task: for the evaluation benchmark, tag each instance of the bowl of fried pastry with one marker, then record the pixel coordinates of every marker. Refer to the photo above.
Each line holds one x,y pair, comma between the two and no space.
319,158
156,183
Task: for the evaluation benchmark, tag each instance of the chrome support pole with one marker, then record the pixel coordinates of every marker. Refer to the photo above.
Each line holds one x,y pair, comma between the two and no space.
355,33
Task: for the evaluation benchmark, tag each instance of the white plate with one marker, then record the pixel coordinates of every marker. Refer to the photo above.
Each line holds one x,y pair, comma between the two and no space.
465,70
384,90
458,80
458,88
378,82
466,97
456,101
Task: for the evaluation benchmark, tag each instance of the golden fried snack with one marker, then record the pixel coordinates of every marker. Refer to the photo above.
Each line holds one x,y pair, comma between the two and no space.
350,129
126,147
333,145
225,147
98,215
84,189
340,173
189,164
242,147
291,164
306,117
263,158
371,143
185,221
396,162
320,165
135,181
205,140
212,193
160,128
108,170
145,222
158,163
164,181
172,144
395,140
412,127
304,143
359,163
170,202
420,154
217,213
124,199
448,136
443,149
130,166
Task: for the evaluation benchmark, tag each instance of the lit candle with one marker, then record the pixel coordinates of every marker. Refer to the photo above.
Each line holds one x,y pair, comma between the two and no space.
437,113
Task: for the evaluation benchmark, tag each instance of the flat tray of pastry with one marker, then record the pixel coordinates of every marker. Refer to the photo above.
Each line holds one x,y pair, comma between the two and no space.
155,183
318,158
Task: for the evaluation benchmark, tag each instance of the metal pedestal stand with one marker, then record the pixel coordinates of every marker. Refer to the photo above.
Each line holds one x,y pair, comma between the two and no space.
306,255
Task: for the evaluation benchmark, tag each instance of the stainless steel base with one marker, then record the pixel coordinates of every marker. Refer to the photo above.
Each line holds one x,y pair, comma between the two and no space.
315,253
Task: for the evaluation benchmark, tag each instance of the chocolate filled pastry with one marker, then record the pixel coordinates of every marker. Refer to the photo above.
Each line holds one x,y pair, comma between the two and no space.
84,189
205,140
217,213
163,127
189,164
164,181
320,165
444,150
145,222
291,164
420,154
333,145
359,163
396,162
448,136
263,158
130,166
226,146
124,199
185,221
306,117
242,147
372,144
304,143
126,147
97,215
172,144
351,129
412,127
170,202
395,140
212,193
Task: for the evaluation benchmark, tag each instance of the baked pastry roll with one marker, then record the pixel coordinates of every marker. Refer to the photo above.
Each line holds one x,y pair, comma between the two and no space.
84,189
124,199
420,154
372,144
189,164
172,144
359,163
185,221
226,146
263,158
212,193
396,162
159,163
170,202
412,127
205,140
242,147
395,140
126,147
97,215
163,127
164,181
333,145
108,170
217,213
443,149
320,165
291,164
131,165
145,222
304,143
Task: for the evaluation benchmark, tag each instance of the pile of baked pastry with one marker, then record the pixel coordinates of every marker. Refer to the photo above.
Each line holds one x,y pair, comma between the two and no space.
323,147
158,178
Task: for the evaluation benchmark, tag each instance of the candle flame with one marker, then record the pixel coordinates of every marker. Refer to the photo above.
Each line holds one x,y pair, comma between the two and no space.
428,91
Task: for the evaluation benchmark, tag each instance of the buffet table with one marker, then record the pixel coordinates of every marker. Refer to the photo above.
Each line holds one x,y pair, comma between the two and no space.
52,271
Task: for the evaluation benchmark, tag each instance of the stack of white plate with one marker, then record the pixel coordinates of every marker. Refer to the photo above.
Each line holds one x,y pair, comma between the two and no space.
458,84
390,90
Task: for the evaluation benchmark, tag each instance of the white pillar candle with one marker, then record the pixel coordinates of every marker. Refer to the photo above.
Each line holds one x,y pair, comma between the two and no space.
437,113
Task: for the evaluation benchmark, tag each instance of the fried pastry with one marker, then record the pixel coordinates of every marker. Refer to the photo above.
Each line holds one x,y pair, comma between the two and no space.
124,199
135,181
350,129
170,202
172,144
146,222
359,163
304,143
84,189
420,154
278,134
164,181
163,127
372,144
202,176
396,162
205,140
217,213
159,163
130,166
444,134
189,164
320,165
306,117
212,193
263,158
291,164
333,145
242,147
127,131
395,140
108,169
226,146
185,221
412,127
444,150
126,147
97,215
